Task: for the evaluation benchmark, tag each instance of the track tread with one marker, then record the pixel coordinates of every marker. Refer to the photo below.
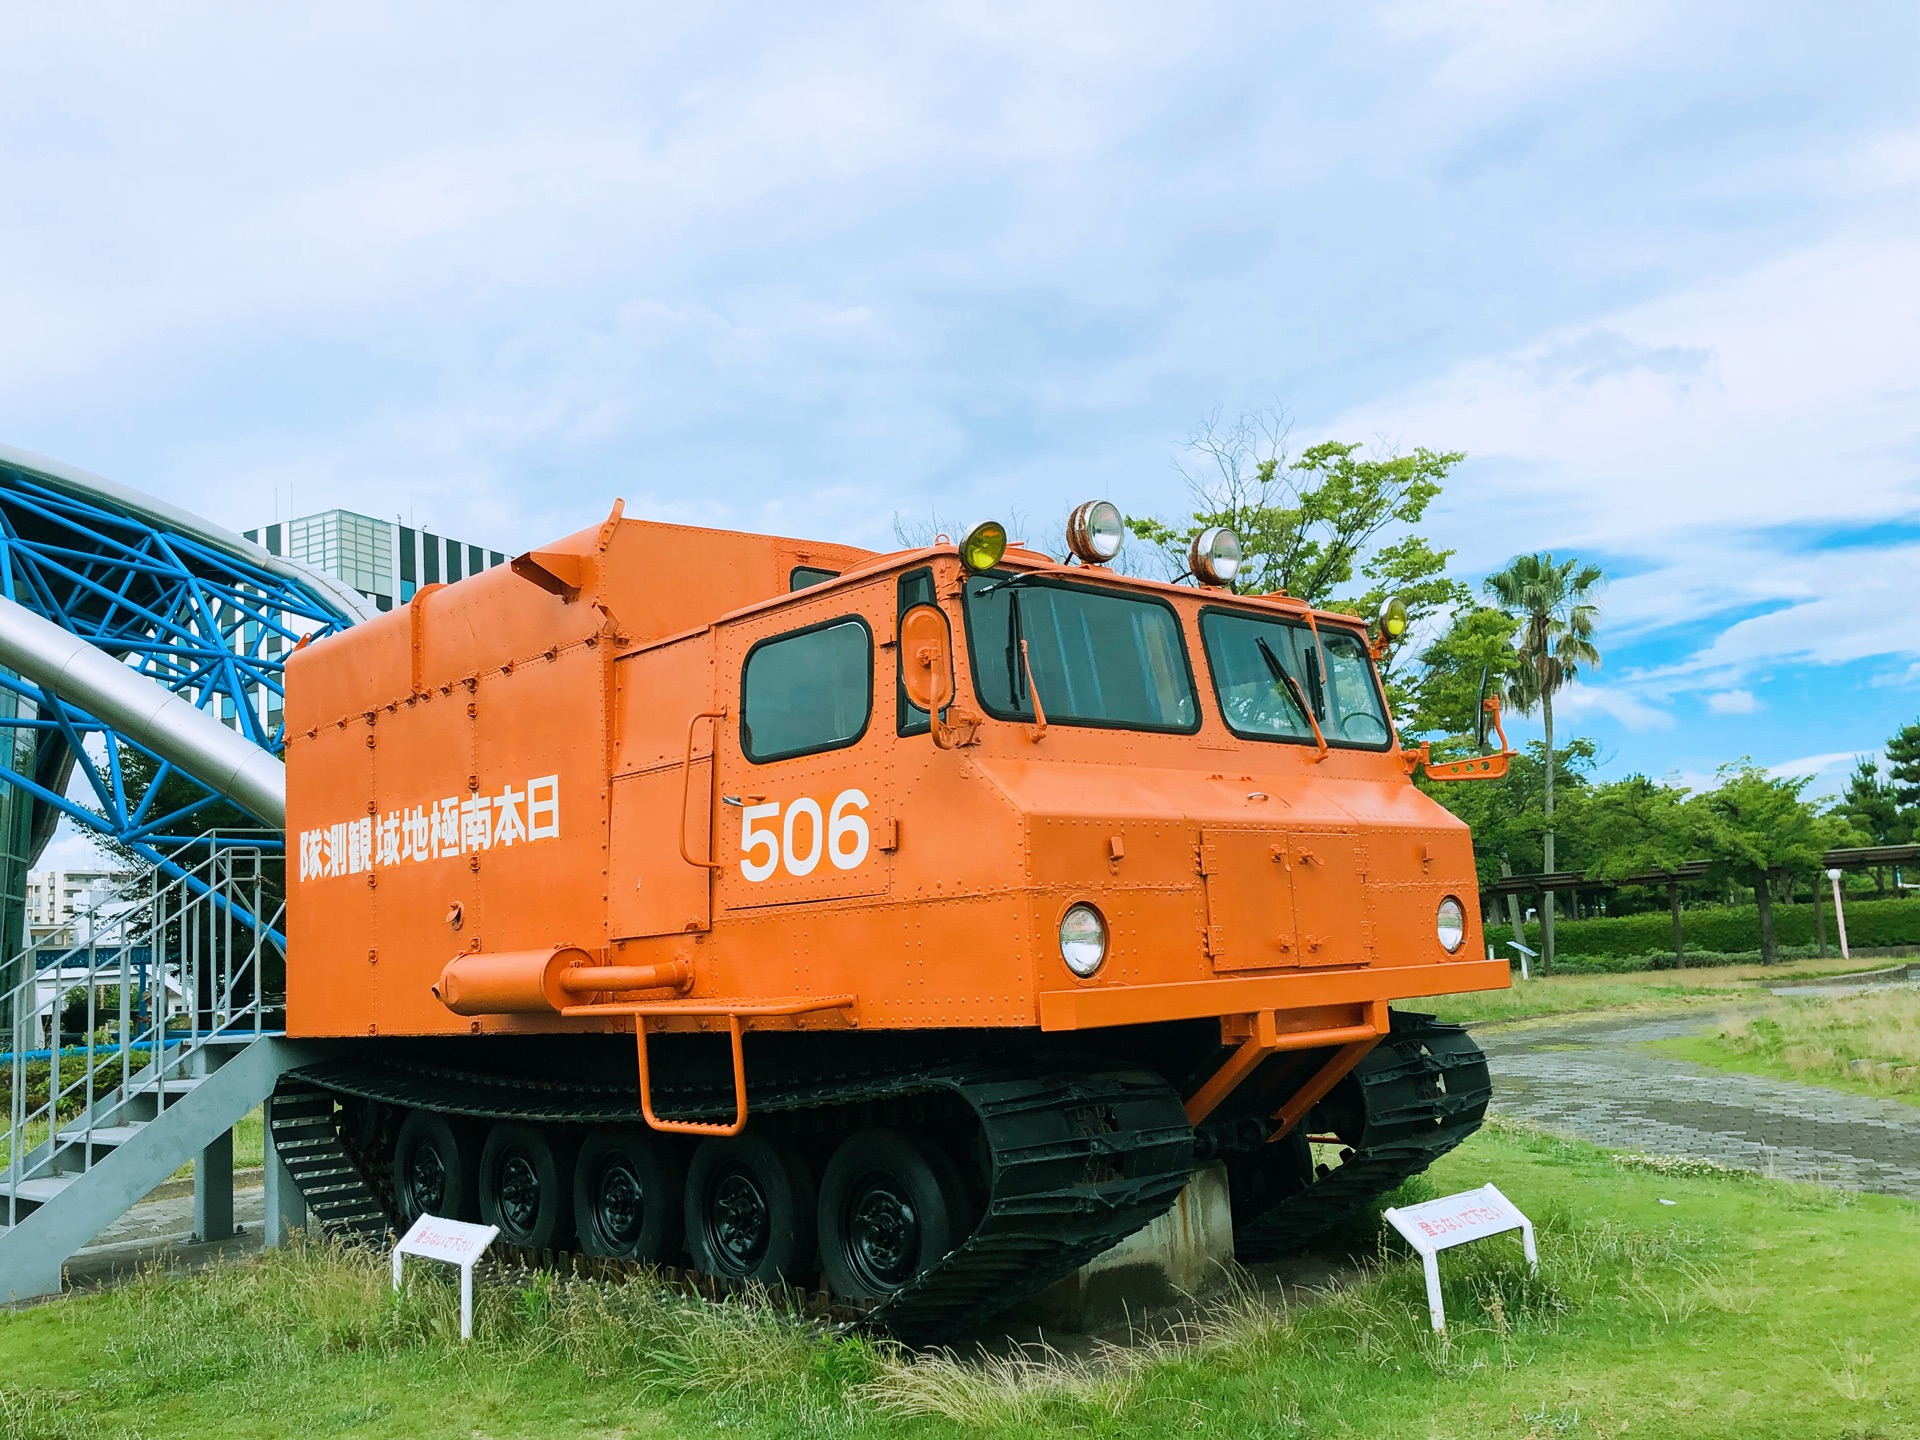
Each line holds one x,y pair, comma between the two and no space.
1426,1089
1081,1159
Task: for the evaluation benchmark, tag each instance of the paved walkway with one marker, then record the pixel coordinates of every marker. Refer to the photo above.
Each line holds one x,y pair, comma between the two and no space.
1590,1078
160,1229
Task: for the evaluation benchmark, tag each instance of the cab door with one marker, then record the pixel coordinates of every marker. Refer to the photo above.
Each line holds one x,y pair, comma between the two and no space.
661,795
806,805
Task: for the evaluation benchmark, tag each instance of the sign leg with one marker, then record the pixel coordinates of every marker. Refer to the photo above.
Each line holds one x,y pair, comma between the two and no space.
466,1302
1431,1263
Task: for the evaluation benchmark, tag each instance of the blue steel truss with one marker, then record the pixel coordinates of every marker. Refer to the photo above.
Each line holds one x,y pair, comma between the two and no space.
192,614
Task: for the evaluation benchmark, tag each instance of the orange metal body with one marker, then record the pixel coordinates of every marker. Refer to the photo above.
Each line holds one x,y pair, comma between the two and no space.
547,757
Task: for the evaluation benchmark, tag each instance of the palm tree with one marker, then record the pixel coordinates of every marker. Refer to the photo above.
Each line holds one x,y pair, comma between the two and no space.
1551,601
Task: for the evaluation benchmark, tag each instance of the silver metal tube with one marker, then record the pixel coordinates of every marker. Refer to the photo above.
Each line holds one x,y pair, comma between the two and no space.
87,486
145,712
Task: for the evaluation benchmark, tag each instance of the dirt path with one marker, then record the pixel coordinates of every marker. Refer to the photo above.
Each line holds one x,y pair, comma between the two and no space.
1590,1078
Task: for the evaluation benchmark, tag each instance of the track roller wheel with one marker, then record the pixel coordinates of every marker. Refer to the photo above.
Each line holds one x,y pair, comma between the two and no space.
750,1209
526,1185
1258,1180
436,1167
891,1205
628,1194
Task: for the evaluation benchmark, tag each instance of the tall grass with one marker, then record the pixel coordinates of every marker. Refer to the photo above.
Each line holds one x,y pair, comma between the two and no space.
1377,1322
1567,993
1871,1039
318,1298
244,1326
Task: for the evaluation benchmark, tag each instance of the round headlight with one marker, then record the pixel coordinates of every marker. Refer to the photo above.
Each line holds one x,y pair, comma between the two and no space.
1215,556
1083,939
1450,925
1096,531
1393,617
983,545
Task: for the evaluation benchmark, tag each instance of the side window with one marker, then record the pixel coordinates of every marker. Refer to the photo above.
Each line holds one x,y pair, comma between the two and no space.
803,576
916,588
807,691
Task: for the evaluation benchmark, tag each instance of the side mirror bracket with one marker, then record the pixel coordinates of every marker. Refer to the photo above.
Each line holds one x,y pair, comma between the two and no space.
926,674
1480,767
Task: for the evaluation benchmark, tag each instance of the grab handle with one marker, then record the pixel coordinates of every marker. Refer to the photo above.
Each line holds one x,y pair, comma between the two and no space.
686,789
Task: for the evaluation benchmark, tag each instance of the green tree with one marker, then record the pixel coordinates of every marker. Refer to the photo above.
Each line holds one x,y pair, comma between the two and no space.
1306,524
1903,764
1506,818
1640,827
1871,806
1443,701
1759,828
1556,619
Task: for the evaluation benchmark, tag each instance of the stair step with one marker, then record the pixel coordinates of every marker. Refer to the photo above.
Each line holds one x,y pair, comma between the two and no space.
176,1086
103,1135
37,1192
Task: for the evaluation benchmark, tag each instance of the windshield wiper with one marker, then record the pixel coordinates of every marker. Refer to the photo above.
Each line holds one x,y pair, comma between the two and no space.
1021,578
1016,646
1283,681
1020,681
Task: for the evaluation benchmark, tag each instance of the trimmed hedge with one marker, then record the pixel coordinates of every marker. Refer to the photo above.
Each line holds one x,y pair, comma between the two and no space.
1727,929
1663,960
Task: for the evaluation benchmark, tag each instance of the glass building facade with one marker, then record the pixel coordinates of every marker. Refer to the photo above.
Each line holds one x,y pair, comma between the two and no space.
382,559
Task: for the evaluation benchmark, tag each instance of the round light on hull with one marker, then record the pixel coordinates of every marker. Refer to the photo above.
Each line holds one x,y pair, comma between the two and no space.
1450,925
1215,556
983,545
1083,939
1096,531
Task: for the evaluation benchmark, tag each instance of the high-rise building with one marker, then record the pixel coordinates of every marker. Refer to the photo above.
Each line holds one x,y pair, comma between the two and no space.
382,559
57,898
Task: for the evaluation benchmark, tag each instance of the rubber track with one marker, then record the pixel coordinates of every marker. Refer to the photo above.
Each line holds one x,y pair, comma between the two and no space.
1081,1160
1425,1089
330,1181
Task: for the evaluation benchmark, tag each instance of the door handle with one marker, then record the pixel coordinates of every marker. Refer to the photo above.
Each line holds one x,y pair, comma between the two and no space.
686,787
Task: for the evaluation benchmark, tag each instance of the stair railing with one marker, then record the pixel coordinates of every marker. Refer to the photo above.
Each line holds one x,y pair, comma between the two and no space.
185,970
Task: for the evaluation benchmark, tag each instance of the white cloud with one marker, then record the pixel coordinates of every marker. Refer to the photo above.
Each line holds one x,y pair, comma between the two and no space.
1826,774
1580,701
1782,396
1732,702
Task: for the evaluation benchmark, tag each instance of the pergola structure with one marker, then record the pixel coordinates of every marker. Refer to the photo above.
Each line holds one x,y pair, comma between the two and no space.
1862,857
204,613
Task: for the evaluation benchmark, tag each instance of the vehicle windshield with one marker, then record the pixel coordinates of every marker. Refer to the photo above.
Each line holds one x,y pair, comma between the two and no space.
1265,669
1097,657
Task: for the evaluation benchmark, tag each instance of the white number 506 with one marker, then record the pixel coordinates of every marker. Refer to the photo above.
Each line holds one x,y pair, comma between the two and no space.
841,835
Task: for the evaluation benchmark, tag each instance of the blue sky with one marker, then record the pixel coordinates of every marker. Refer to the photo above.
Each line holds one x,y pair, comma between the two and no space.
1656,268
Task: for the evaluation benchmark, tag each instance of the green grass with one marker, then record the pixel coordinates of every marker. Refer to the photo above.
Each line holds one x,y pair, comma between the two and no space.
1746,1307
1646,990
1865,1044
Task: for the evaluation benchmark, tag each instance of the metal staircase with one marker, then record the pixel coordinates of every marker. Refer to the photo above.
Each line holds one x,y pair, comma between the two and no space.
138,1043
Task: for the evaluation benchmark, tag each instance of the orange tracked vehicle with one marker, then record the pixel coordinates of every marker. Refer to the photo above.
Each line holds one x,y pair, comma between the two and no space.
917,920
